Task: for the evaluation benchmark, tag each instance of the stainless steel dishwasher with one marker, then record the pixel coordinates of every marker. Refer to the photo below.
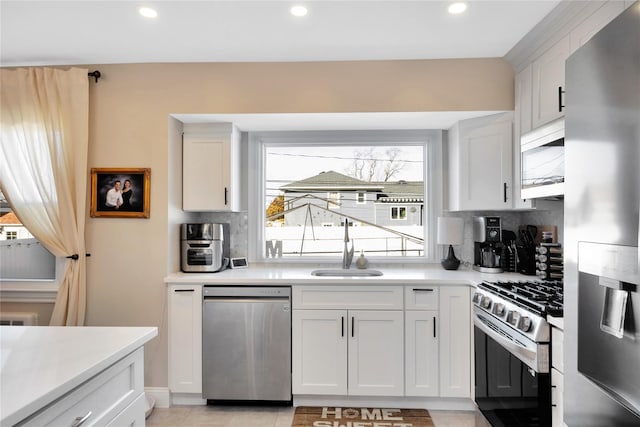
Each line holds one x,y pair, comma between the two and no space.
246,343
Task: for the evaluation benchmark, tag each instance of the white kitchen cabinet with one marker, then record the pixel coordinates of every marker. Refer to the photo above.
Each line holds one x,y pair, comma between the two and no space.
421,353
421,345
557,405
347,352
348,340
112,397
211,167
480,157
319,348
524,101
376,353
548,82
185,338
455,341
521,125
557,376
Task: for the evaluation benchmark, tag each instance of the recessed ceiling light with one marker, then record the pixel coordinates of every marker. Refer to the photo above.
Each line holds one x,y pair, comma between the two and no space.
147,12
298,11
456,8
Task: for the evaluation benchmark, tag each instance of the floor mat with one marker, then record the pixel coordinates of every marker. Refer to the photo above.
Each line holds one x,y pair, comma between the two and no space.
328,416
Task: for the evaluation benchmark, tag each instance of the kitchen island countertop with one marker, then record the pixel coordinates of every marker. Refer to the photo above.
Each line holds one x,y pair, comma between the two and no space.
265,275
40,364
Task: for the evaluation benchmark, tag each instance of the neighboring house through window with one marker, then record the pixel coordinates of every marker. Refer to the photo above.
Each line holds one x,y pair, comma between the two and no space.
23,257
372,179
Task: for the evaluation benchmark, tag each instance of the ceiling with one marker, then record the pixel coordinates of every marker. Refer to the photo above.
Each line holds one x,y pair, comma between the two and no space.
37,33
107,32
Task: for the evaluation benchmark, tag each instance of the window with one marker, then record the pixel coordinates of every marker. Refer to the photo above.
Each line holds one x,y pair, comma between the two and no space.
398,212
333,200
310,182
23,257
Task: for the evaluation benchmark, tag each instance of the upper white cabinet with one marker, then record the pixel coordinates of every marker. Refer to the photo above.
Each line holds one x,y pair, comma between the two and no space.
548,83
211,167
480,163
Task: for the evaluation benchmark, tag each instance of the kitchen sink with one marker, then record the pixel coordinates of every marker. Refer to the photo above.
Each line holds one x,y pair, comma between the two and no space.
339,272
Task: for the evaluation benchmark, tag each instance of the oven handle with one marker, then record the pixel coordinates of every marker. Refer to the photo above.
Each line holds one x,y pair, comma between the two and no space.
528,357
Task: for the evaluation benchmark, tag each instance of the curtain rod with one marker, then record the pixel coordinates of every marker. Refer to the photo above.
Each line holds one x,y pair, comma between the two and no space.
96,74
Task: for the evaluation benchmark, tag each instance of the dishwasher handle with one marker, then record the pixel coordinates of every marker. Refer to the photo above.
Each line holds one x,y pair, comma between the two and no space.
244,299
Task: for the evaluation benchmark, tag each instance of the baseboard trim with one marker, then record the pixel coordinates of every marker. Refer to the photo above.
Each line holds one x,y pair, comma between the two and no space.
187,399
161,395
436,403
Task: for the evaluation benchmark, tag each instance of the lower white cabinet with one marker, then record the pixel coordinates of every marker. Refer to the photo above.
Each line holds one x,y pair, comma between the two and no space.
185,338
557,377
419,345
421,353
348,352
455,341
557,406
114,397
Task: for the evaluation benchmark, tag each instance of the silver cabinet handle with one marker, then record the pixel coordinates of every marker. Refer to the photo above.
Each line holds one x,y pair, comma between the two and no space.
81,420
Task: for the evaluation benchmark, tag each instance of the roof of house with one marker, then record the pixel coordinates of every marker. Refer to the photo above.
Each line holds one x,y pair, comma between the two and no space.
396,191
9,219
331,180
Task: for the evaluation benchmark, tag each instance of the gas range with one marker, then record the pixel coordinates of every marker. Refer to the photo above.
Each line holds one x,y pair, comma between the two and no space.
515,315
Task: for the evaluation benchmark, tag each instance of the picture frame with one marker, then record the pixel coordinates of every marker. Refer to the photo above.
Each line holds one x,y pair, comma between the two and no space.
131,193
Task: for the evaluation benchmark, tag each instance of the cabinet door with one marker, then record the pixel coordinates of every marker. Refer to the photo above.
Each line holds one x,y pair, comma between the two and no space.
185,338
521,125
486,167
319,351
205,173
421,353
455,341
548,77
523,101
376,353
557,405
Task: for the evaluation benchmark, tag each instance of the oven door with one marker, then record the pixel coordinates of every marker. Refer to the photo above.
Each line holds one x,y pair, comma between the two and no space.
507,391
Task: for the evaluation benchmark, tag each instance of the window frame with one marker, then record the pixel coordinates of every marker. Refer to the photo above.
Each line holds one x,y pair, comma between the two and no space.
431,140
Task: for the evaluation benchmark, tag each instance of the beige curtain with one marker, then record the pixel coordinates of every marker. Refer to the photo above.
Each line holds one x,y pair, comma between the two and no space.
44,120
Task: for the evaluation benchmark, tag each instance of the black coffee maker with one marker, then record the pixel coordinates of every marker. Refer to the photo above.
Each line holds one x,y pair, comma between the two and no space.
487,246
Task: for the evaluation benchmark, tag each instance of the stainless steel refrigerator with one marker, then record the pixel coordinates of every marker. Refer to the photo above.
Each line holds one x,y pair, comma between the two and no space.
602,282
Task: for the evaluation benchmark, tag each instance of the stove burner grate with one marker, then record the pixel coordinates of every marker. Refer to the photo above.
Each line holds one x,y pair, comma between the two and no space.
541,298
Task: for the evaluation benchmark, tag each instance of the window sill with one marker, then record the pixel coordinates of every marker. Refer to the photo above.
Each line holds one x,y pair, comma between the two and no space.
39,291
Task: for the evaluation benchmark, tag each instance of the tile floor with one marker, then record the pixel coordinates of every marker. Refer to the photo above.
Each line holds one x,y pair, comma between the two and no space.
249,416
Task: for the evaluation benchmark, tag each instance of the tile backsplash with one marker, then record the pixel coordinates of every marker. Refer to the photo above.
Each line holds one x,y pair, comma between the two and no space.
548,213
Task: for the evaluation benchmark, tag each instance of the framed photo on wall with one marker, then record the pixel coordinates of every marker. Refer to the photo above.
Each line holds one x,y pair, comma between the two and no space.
120,192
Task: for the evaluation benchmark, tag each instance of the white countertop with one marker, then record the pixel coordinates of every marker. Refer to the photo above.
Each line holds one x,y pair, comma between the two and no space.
264,275
39,364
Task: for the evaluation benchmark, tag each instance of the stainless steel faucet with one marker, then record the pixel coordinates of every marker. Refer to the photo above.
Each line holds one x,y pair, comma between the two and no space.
347,254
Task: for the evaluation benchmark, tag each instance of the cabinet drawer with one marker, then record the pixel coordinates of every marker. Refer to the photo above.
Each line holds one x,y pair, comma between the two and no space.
348,297
557,349
421,297
103,396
